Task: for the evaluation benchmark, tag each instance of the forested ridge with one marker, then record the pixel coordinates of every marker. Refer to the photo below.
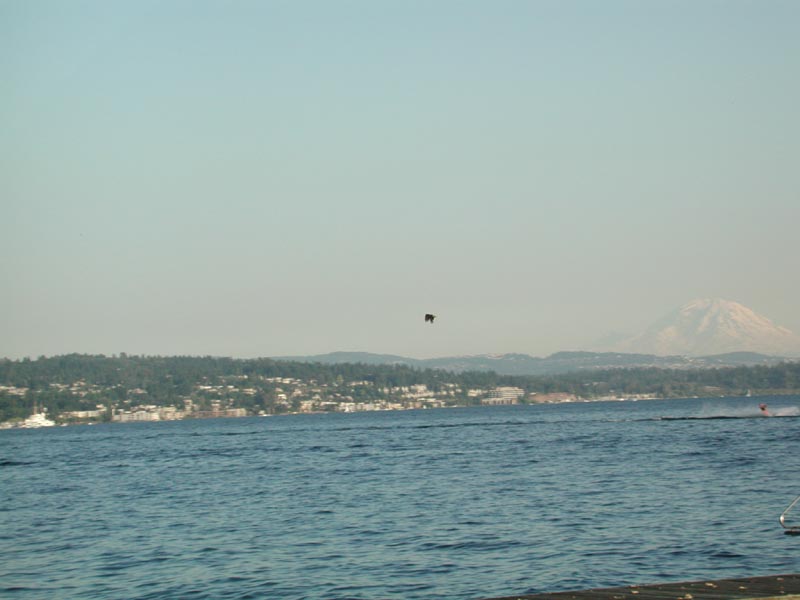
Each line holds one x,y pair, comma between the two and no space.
80,382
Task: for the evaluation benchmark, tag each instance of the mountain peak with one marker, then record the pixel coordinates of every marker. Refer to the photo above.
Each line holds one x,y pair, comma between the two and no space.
713,326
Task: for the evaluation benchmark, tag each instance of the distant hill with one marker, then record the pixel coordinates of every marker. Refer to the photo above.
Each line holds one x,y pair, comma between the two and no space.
713,326
364,358
561,362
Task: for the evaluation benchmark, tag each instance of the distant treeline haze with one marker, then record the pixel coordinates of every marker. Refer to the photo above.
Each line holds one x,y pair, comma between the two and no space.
83,382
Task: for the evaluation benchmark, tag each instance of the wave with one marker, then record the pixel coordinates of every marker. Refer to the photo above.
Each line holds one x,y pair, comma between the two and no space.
717,417
715,411
7,462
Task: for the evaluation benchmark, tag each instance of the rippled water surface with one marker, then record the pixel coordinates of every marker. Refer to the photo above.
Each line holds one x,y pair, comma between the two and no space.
456,503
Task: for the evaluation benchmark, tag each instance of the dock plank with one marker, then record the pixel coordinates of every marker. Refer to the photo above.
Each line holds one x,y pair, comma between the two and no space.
772,587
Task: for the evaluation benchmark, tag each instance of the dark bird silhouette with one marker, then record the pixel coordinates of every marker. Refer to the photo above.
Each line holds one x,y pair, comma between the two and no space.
429,318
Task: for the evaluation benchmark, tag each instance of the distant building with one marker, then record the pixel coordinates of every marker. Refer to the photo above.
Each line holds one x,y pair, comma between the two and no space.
554,398
503,395
170,413
83,414
122,416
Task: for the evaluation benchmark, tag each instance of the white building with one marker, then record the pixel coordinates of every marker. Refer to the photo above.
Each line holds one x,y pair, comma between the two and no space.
503,395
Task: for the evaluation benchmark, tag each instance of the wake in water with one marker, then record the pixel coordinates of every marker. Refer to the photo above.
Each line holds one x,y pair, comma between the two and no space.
727,412
787,411
762,410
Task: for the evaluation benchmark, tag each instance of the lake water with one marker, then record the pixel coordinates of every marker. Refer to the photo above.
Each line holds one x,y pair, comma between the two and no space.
455,503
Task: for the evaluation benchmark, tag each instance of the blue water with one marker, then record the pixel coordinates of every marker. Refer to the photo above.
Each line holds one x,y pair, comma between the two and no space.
456,503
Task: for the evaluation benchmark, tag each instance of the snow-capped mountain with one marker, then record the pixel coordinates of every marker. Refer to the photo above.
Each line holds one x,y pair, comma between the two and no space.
713,326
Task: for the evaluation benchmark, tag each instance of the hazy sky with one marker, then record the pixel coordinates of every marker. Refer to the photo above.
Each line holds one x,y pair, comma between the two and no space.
261,178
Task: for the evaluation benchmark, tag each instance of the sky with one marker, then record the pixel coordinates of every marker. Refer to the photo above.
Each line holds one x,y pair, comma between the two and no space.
273,178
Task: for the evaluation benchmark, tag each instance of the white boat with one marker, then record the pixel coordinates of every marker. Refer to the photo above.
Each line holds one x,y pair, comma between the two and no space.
37,419
790,528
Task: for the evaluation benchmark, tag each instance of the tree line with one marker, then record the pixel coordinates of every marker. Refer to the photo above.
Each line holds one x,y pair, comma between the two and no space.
110,380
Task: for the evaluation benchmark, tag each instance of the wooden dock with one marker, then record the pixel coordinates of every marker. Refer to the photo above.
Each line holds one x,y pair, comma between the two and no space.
773,587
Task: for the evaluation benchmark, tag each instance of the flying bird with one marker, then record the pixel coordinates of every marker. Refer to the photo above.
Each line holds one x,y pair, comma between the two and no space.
429,318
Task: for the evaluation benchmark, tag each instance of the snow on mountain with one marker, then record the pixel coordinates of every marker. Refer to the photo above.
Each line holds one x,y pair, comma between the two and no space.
713,326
